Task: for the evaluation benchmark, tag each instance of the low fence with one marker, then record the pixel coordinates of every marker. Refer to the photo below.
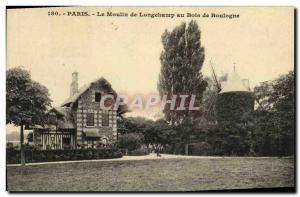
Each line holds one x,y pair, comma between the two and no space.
13,156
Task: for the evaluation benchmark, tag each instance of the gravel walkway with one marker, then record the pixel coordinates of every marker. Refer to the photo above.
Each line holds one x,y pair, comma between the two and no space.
151,156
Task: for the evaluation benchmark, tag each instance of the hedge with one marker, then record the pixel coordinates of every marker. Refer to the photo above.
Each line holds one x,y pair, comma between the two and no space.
31,156
138,152
200,148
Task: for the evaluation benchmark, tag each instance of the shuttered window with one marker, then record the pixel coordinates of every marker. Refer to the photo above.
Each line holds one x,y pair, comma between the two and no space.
105,119
97,97
90,119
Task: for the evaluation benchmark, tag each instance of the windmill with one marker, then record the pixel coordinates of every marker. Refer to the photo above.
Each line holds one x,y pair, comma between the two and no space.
212,95
215,78
235,99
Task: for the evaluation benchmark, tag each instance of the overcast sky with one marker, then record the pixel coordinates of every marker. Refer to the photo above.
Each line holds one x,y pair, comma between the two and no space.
126,50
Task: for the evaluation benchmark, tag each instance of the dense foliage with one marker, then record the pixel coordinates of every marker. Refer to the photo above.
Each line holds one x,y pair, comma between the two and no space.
26,101
181,62
130,141
33,155
267,131
274,119
234,106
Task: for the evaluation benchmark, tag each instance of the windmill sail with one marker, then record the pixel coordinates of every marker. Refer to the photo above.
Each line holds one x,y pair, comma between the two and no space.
215,78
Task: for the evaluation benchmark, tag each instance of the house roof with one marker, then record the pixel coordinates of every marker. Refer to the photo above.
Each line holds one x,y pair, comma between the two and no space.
65,121
73,98
234,84
122,109
82,90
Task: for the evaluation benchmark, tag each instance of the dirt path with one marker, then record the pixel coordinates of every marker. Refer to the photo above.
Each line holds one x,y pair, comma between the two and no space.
144,157
151,156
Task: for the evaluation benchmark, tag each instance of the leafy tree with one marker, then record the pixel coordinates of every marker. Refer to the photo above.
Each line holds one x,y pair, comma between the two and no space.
160,133
274,118
233,138
130,141
155,133
26,102
262,94
181,62
185,132
133,125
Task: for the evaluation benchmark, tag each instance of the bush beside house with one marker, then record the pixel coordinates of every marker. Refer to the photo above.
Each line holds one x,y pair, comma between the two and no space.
33,155
132,144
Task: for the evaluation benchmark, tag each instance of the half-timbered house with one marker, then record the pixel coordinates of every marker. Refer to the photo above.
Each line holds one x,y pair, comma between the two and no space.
80,122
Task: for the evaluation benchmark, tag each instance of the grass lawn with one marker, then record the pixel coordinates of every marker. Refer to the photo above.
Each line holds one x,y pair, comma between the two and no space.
155,175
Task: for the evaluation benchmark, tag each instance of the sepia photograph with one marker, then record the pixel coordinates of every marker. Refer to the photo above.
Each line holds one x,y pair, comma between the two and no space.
150,99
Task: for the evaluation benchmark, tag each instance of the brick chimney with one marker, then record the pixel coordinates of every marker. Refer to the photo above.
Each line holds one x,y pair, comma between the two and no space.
74,84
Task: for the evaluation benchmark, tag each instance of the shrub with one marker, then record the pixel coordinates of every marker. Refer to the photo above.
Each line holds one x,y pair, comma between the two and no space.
201,148
130,141
33,155
138,152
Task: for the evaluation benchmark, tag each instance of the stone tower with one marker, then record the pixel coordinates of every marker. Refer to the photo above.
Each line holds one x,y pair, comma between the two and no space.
235,99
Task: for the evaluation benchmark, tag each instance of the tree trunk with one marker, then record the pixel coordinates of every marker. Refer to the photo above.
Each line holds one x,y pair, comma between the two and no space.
186,149
173,148
22,146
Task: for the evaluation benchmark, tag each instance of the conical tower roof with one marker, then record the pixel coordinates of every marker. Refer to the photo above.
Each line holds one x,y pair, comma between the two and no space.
234,84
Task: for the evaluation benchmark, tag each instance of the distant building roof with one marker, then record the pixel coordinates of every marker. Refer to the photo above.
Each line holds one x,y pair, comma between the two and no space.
234,84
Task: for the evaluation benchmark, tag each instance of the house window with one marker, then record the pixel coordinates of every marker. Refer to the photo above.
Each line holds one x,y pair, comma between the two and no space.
90,119
97,97
105,119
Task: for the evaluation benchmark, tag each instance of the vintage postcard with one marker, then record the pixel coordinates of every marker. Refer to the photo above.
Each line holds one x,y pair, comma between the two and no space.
150,99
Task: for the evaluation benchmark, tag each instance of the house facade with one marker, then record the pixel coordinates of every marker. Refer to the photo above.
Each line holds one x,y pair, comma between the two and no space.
80,122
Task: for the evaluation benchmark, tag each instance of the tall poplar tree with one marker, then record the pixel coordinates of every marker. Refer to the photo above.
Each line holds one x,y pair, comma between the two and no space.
181,62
